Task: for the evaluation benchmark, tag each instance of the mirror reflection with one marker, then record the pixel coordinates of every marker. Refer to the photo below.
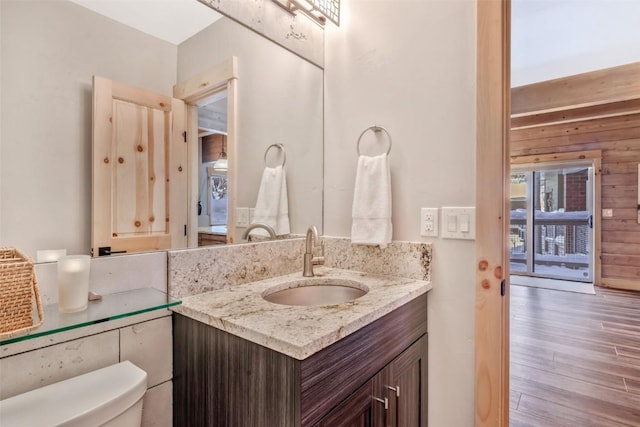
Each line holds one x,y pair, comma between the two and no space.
51,50
213,185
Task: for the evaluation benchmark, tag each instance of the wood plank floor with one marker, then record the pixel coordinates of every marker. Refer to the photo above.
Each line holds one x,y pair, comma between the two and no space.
575,358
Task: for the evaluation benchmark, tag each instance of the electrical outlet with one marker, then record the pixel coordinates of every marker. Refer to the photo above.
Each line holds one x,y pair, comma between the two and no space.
607,213
242,217
429,222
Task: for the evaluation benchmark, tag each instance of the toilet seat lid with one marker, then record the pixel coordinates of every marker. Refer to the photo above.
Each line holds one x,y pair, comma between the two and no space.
89,399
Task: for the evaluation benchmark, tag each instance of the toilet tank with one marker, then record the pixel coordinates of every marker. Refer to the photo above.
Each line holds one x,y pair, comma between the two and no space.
108,396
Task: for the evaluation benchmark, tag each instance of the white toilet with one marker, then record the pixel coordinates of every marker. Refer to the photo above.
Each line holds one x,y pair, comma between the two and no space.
110,396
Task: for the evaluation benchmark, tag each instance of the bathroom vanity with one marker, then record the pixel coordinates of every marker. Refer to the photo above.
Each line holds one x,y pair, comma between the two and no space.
240,360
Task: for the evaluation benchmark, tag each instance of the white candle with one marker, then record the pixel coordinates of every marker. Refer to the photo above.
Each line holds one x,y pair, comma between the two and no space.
73,282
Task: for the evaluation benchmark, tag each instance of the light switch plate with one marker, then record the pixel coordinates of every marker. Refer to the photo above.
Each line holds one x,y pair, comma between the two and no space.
242,217
458,223
607,213
429,222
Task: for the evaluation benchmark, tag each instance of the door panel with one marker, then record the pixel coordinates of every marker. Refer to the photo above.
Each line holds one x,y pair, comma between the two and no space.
551,231
140,175
518,235
407,386
139,192
562,234
408,403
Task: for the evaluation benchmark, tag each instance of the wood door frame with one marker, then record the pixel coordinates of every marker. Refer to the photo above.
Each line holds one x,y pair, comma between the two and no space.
571,99
492,169
195,92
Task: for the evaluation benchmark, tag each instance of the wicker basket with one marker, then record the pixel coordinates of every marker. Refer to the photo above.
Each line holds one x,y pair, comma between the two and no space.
18,287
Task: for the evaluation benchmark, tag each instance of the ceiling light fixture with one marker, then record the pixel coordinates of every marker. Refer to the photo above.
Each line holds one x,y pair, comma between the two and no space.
318,10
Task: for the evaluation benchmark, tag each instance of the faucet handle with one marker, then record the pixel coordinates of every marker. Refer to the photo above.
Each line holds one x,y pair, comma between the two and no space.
319,259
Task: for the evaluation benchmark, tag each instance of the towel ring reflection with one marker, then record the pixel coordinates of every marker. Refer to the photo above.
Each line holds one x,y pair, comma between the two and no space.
281,147
376,129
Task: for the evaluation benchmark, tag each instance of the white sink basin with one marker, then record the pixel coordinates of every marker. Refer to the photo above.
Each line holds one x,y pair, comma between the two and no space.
315,291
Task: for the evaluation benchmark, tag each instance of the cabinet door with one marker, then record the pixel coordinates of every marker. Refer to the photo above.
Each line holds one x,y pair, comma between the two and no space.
355,411
407,386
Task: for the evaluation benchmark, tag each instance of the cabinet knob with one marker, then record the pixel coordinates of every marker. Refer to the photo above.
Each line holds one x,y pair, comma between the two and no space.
384,401
395,389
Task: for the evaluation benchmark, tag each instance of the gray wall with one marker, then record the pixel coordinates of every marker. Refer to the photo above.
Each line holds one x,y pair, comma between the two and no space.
50,51
410,66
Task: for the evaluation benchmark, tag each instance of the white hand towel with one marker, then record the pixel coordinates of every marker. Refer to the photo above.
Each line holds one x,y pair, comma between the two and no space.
372,202
272,205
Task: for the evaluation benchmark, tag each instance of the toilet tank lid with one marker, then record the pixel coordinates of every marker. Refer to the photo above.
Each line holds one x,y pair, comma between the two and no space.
89,399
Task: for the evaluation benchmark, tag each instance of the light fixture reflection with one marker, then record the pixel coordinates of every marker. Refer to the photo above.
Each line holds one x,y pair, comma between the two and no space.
222,163
318,10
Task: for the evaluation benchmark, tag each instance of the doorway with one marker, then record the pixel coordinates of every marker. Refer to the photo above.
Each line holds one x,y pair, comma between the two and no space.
198,92
494,98
213,184
551,222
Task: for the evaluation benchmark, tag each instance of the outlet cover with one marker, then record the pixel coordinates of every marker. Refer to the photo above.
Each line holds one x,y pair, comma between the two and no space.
429,222
607,213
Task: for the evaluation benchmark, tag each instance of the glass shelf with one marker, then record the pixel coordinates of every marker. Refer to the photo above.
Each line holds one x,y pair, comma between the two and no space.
110,307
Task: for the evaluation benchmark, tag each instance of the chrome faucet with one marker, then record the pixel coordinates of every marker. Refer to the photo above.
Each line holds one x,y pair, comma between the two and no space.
312,240
268,228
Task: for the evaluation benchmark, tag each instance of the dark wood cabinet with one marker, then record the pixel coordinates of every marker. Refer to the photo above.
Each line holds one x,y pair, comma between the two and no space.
223,380
395,397
407,382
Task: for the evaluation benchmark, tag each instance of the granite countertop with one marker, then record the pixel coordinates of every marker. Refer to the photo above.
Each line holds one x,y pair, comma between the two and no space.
299,331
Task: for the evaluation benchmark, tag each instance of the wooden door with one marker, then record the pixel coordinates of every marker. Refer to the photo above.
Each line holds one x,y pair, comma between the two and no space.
355,411
407,386
139,188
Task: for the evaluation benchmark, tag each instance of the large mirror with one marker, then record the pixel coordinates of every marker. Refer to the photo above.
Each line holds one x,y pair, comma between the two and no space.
51,49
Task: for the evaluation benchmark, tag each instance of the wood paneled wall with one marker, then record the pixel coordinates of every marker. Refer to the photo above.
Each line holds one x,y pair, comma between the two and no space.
212,146
614,128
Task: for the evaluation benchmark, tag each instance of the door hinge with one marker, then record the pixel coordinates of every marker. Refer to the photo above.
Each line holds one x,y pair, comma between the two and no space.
185,229
502,289
184,134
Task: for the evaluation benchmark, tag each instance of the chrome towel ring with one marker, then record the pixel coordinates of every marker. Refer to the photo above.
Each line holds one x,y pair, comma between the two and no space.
376,129
281,147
